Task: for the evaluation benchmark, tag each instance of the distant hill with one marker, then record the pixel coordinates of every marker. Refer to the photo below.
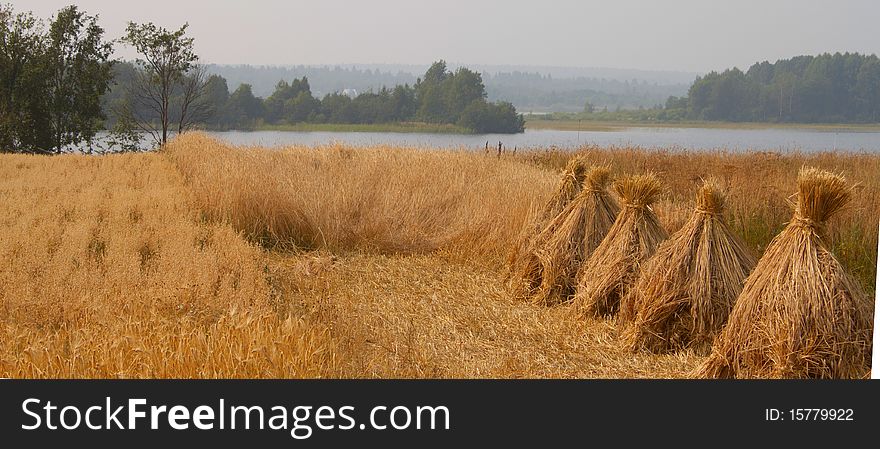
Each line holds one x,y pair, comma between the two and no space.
529,88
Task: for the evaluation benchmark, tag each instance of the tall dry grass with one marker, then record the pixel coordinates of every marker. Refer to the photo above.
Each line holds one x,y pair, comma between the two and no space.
372,199
107,271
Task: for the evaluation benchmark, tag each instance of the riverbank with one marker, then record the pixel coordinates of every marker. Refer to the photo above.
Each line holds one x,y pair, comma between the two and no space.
608,125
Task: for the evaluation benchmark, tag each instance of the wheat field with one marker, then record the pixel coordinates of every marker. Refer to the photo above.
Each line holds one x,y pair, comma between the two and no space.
206,260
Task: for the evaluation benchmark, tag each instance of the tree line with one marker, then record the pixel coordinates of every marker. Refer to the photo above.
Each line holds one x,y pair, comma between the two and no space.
441,96
830,88
525,88
59,88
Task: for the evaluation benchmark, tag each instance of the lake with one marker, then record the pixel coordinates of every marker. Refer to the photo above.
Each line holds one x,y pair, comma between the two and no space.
778,139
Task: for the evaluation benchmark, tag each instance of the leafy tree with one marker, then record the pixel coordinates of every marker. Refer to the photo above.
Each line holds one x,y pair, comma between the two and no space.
337,108
436,74
867,90
290,103
78,73
483,117
293,102
243,108
216,97
461,89
301,108
274,104
429,94
403,103
23,119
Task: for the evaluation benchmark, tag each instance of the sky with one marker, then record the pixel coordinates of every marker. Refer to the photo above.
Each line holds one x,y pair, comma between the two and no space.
680,35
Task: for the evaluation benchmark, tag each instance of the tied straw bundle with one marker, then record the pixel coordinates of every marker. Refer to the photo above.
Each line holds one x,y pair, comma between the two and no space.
610,271
685,293
800,315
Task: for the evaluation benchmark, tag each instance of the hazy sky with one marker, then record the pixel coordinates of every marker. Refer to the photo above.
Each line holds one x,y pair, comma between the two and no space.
688,35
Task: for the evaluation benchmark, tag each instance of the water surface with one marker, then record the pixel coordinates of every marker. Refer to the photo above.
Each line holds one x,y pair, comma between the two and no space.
772,139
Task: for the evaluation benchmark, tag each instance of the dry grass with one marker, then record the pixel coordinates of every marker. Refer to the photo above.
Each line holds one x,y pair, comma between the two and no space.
136,265
422,316
800,315
107,272
606,277
684,294
374,200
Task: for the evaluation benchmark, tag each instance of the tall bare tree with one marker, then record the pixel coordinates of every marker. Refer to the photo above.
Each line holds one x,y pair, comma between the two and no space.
193,106
168,68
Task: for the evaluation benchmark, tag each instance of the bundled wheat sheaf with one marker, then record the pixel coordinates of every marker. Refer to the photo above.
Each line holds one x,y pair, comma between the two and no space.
524,263
572,236
610,271
800,315
685,293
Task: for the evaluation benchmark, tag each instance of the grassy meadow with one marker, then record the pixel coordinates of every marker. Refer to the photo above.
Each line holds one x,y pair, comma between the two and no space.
206,260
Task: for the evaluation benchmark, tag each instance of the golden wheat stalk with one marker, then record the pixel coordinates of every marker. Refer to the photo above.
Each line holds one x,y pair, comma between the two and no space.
610,271
800,314
685,292
572,236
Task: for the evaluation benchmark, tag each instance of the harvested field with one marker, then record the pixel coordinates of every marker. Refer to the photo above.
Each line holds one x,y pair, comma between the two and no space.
206,260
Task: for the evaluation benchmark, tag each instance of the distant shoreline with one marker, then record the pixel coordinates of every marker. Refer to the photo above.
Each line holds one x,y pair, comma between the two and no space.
610,125
558,125
404,127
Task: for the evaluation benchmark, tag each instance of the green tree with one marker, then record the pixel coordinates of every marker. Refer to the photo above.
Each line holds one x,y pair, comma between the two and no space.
166,57
430,94
867,89
301,107
78,73
23,119
460,90
291,102
216,96
840,87
274,104
403,103
483,117
337,108
243,108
